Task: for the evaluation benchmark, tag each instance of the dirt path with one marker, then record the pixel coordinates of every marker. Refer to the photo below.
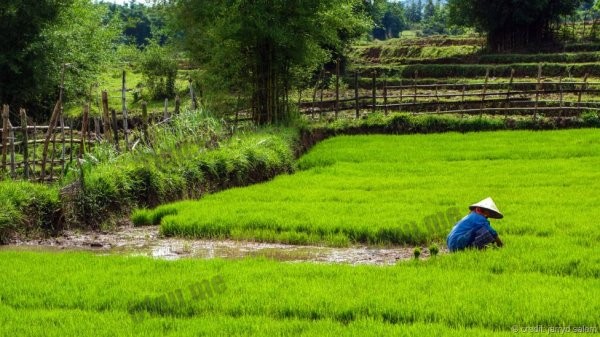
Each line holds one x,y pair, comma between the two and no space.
146,241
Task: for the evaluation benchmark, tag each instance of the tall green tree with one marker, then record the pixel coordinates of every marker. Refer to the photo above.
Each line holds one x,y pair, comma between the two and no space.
38,38
414,11
429,10
22,23
389,18
264,47
394,20
140,23
438,23
512,24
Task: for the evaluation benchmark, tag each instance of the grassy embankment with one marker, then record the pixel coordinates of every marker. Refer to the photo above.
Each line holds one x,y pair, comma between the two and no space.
189,157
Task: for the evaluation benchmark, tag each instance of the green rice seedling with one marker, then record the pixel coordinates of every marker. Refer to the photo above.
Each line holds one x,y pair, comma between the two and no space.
384,189
141,217
434,249
417,253
144,296
9,218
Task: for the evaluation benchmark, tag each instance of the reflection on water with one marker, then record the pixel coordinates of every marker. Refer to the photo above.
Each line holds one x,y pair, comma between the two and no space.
145,241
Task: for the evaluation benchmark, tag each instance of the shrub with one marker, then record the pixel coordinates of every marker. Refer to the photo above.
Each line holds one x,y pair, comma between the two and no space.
479,70
434,250
27,207
145,180
404,123
417,252
160,71
144,217
591,119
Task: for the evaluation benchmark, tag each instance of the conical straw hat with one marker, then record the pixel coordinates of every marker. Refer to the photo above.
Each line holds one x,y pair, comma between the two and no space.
488,204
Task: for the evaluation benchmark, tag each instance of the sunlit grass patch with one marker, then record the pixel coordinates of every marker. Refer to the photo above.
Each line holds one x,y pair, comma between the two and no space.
385,190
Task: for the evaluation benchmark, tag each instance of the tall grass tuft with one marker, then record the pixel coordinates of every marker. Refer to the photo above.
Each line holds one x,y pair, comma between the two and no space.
186,158
27,207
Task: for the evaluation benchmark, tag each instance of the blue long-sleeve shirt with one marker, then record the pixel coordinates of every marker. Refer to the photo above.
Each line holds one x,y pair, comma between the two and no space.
462,233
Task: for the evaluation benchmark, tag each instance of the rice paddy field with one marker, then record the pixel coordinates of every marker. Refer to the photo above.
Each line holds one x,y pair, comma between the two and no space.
368,190
382,190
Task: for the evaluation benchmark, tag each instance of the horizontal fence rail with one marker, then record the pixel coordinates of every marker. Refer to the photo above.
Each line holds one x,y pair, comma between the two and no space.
541,96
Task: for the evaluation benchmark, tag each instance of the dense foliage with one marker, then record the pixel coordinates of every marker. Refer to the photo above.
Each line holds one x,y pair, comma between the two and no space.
425,18
159,67
511,24
140,23
389,18
263,49
39,37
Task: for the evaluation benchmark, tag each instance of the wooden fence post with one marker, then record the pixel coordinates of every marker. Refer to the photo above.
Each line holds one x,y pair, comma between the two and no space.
485,83
166,110
49,136
337,87
314,102
538,88
415,86
374,91
5,112
177,105
462,101
437,99
583,88
115,129
385,96
510,84
84,129
321,103
25,143
124,101
105,116
63,141
62,115
560,95
11,136
192,95
96,128
34,162
71,142
401,92
52,161
356,101
145,121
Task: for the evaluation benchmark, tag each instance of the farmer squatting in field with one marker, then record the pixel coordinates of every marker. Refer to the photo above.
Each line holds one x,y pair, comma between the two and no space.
474,230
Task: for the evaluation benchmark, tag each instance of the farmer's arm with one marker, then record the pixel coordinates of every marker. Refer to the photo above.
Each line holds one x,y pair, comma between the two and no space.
495,234
499,242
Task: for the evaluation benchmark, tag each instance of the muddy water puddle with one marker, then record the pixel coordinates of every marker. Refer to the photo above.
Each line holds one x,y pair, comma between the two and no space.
146,241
